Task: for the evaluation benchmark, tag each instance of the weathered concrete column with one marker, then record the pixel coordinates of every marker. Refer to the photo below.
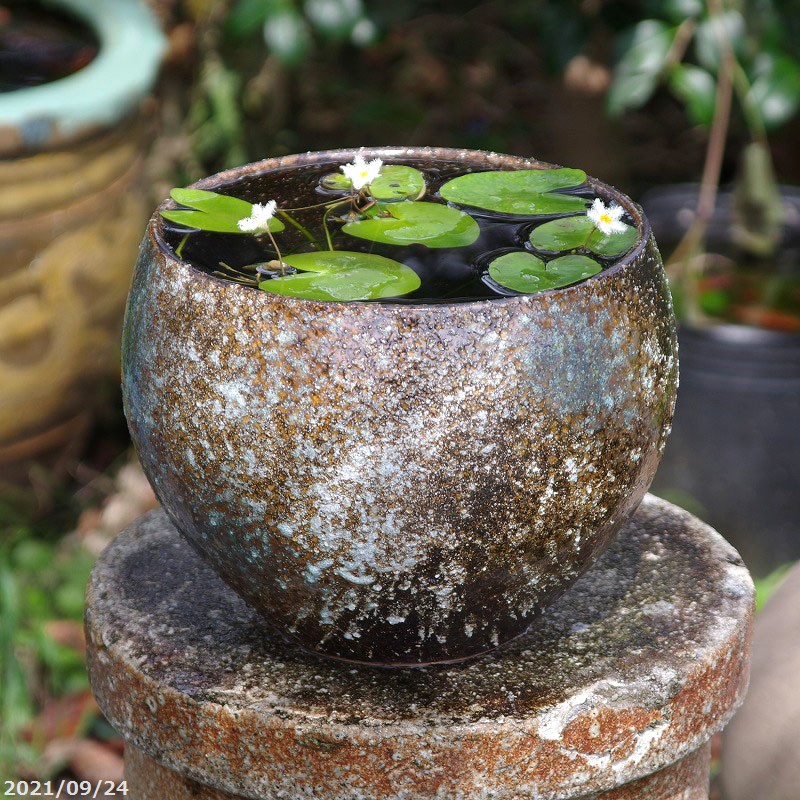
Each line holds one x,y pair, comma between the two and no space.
614,693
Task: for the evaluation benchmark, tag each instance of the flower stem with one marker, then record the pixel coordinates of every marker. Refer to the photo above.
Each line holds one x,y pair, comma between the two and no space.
179,248
300,227
325,221
750,110
685,261
277,251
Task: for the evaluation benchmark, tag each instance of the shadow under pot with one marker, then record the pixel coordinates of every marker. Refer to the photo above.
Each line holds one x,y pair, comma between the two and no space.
409,480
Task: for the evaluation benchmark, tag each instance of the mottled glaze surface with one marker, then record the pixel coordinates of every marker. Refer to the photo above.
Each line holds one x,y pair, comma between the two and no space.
399,483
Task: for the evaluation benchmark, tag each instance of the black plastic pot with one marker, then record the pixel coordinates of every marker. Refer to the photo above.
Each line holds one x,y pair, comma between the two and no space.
734,451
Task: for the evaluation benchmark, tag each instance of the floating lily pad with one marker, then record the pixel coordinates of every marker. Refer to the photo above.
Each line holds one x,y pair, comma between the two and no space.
395,182
573,233
336,182
431,224
527,273
342,275
209,211
525,191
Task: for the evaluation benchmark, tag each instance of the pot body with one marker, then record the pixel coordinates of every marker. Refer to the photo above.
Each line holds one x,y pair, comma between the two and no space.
71,153
397,483
734,453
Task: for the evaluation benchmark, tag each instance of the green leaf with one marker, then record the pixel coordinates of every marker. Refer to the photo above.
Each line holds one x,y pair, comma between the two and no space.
775,91
286,35
679,10
637,73
245,17
697,88
524,191
767,585
630,90
397,182
209,211
431,224
336,182
343,276
574,233
30,555
211,202
714,302
334,19
525,272
711,31
201,221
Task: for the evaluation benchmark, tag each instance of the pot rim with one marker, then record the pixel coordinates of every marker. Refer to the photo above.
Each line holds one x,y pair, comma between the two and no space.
131,46
400,154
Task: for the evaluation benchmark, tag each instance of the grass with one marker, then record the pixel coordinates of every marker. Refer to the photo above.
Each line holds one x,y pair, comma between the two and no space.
767,585
41,657
45,701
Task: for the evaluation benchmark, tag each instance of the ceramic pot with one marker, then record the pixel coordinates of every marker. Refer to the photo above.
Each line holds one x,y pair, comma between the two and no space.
398,483
72,162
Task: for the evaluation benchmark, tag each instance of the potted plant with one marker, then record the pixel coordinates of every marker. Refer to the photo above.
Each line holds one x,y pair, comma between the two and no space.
72,140
734,267
399,398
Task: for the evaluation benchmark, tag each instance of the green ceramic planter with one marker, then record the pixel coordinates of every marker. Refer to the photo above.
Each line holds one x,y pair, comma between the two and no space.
398,483
97,97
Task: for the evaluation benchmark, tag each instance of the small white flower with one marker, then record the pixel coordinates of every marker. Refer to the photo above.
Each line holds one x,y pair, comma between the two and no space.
360,173
260,215
606,220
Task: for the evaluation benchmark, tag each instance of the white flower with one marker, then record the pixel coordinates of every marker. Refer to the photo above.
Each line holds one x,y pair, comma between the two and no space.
260,215
607,220
360,173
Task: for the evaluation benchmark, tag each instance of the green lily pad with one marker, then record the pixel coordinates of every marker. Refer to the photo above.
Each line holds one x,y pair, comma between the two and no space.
209,211
397,182
524,191
336,182
571,233
342,275
431,224
527,273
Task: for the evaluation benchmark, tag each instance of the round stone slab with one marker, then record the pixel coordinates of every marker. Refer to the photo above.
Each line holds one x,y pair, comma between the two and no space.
632,670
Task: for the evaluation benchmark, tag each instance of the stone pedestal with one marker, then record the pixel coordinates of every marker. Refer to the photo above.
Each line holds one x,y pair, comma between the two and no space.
613,693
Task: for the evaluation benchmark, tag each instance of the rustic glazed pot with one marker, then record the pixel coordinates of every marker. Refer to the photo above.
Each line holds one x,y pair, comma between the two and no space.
398,483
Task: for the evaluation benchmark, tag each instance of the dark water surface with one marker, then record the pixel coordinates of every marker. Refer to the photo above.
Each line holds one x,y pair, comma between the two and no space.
446,274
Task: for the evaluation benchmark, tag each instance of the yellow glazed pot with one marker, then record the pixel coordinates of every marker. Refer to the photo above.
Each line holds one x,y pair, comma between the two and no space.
71,211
